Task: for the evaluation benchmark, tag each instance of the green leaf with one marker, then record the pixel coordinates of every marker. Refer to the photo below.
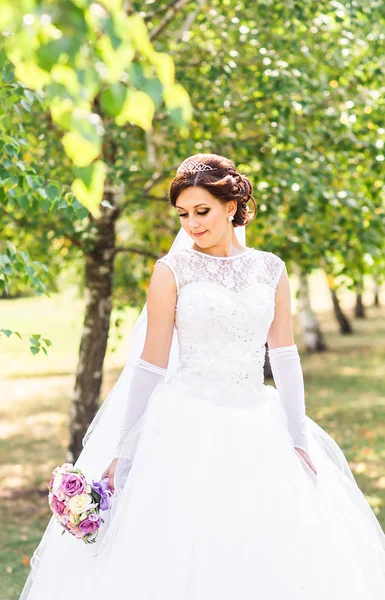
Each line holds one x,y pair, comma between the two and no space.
178,104
30,95
11,248
26,105
81,151
10,150
32,182
23,202
46,204
138,109
89,191
82,213
48,54
165,68
34,349
113,98
52,191
6,332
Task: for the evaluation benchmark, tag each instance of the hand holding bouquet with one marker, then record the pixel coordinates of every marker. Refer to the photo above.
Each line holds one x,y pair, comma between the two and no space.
76,504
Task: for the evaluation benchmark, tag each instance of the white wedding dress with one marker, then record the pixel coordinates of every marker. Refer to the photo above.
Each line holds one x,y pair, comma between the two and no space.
218,504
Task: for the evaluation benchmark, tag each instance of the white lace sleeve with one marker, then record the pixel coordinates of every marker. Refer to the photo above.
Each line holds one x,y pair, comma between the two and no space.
169,260
273,266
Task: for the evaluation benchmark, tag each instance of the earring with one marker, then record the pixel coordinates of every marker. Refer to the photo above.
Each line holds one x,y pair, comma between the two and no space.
231,217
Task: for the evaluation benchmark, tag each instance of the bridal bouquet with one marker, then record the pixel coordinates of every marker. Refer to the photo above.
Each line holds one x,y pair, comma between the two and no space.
76,504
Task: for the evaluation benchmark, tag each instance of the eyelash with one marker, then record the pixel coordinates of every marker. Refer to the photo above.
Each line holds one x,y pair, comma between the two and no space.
200,213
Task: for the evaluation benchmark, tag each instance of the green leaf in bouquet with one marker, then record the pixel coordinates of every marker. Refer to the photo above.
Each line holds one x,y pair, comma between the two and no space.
95,496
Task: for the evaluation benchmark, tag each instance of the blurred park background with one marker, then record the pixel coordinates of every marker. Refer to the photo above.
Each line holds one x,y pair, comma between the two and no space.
99,103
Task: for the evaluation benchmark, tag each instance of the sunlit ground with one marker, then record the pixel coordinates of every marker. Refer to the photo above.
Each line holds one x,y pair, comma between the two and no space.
345,394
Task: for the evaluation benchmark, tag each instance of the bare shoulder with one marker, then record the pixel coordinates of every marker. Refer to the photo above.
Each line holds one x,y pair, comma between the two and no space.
163,277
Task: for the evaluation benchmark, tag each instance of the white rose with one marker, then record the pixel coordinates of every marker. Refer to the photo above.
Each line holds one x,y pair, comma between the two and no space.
80,503
57,482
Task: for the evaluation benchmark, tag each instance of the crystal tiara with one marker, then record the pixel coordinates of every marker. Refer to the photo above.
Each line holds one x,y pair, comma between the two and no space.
190,167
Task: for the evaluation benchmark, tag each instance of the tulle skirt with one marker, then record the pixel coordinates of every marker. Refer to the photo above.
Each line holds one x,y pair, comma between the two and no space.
218,505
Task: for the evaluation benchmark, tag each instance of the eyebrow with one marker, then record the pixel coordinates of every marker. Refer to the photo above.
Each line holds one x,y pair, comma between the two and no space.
196,206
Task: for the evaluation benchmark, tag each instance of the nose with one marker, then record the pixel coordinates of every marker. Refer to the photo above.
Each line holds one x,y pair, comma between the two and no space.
193,223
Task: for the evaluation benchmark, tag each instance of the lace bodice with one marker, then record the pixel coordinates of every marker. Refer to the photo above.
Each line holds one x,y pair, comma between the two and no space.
224,309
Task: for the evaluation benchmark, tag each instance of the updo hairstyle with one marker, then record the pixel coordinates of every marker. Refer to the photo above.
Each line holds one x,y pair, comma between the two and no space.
222,181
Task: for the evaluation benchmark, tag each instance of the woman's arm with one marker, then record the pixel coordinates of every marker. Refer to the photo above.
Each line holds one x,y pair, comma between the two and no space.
281,329
161,303
286,367
150,368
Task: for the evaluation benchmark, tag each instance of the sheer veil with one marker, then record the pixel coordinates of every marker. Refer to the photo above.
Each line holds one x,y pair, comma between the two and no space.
101,438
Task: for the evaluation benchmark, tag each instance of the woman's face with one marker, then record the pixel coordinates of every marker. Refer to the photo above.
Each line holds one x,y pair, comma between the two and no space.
200,212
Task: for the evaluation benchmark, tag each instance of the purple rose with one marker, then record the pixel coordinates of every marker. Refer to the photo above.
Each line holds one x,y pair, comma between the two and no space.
57,505
88,526
73,484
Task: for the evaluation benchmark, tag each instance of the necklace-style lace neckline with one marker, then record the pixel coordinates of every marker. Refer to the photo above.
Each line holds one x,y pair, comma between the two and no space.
220,257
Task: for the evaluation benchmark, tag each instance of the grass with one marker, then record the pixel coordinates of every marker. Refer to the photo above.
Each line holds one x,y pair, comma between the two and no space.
345,394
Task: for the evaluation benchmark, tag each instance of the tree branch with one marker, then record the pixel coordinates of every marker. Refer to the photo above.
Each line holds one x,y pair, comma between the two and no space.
150,15
167,18
134,250
155,178
189,20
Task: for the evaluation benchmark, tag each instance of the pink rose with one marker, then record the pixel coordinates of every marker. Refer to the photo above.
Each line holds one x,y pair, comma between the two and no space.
89,526
67,467
80,534
61,495
57,506
73,484
51,482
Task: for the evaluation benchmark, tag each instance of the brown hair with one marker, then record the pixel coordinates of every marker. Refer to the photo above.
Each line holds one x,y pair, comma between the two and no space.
223,182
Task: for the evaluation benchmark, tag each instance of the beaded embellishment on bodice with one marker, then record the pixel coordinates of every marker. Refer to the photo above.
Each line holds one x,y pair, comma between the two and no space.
225,306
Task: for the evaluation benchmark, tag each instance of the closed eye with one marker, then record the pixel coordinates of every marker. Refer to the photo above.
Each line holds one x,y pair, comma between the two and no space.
199,213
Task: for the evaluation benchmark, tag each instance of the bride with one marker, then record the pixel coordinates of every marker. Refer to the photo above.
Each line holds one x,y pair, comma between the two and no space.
224,489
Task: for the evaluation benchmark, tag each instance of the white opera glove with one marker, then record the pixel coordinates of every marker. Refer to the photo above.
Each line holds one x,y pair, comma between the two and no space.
288,377
145,378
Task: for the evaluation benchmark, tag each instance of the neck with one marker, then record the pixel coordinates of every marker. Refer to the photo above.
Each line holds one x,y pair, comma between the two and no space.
230,247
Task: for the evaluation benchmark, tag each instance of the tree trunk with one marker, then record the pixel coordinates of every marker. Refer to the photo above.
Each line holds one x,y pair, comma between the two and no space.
98,304
359,308
312,335
343,321
376,301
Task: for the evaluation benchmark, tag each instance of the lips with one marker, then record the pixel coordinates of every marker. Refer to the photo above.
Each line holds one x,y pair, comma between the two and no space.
199,234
